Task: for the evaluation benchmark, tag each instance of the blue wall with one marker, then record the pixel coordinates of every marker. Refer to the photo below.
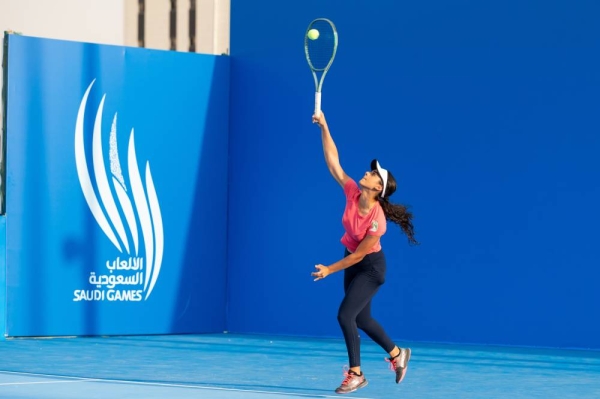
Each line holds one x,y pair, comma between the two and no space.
64,270
486,112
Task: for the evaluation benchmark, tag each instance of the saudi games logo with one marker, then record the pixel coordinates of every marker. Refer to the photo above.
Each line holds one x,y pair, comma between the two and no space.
130,221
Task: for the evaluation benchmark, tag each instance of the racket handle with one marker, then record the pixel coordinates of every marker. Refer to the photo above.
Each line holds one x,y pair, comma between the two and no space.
317,103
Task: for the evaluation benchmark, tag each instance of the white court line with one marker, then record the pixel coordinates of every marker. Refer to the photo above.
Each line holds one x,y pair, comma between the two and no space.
75,379
79,379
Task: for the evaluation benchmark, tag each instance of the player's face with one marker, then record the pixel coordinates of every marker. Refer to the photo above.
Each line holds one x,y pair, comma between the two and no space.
371,180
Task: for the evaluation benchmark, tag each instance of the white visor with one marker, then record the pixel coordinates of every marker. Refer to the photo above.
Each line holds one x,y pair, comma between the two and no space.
382,172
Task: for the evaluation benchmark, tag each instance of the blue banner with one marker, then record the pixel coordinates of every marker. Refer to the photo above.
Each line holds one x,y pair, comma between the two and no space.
116,189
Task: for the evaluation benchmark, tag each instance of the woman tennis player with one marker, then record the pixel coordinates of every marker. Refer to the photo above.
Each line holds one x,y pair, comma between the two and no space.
364,220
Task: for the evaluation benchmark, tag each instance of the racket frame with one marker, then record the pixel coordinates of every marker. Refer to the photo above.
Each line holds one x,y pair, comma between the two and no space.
319,82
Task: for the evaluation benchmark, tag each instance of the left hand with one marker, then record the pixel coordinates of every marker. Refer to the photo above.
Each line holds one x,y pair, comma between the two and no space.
323,271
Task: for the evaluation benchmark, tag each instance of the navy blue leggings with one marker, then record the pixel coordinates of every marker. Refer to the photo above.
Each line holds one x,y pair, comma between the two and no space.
361,283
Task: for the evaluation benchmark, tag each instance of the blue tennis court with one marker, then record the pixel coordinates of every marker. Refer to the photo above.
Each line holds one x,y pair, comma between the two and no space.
226,366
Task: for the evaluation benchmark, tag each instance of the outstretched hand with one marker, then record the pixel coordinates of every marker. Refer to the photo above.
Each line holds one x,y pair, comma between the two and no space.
323,271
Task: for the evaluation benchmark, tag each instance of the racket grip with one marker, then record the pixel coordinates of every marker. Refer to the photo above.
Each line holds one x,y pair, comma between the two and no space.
317,103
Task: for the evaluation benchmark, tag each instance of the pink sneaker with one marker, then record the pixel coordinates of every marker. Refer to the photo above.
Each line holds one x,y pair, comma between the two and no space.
352,382
399,364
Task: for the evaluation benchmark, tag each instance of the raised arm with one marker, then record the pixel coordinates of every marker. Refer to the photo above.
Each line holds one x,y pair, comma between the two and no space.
330,151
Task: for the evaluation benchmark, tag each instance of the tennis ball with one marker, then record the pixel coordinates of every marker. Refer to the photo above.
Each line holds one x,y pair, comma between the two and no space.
313,34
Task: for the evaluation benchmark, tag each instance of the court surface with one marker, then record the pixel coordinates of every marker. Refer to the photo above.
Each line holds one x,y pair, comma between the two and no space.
227,366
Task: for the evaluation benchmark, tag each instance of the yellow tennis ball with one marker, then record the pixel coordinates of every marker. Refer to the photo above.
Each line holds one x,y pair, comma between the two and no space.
313,34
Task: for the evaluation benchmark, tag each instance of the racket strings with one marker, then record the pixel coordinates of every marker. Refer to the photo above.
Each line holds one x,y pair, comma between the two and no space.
320,51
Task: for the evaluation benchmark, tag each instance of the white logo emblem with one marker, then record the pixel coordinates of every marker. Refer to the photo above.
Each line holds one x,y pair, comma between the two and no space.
144,209
374,225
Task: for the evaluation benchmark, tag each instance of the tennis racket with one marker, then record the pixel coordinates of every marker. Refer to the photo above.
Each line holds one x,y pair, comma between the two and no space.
320,46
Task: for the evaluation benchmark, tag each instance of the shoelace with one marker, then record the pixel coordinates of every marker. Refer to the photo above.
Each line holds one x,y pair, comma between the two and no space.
392,364
348,376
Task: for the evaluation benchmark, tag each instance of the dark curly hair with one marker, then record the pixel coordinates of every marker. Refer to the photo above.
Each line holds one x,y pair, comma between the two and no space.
397,213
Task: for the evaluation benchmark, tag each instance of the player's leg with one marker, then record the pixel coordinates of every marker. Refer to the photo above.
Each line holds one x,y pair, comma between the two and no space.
360,288
399,357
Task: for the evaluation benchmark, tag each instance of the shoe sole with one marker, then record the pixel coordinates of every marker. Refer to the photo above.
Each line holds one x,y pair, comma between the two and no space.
403,373
359,386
